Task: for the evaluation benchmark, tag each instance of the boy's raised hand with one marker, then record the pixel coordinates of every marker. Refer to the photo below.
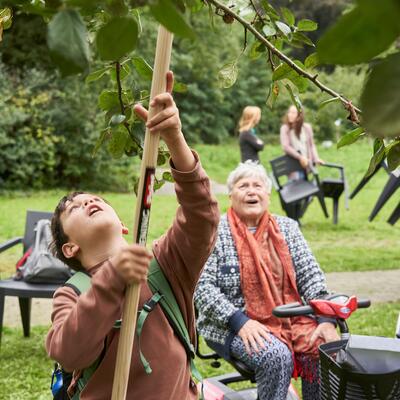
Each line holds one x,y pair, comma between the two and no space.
166,121
132,263
168,124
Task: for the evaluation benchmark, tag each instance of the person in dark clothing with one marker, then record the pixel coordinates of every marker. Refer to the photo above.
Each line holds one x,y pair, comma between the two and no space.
249,143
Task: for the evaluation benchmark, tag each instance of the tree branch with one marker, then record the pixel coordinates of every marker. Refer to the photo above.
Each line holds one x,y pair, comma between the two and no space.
119,86
121,103
313,78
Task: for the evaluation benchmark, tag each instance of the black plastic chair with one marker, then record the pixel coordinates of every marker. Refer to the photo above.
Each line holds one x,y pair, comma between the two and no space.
394,217
295,195
392,184
364,180
23,290
334,187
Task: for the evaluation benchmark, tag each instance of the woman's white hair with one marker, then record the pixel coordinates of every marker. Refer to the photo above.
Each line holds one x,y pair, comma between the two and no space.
248,169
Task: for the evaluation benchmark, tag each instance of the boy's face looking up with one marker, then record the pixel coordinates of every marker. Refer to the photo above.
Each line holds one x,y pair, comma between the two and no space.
88,221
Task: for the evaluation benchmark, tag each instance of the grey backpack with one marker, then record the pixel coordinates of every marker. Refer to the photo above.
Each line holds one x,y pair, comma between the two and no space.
41,266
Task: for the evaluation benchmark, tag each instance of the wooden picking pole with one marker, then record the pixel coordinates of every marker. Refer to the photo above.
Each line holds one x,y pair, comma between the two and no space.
142,215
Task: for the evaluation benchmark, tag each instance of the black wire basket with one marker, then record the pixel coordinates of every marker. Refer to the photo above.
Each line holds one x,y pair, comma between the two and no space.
338,383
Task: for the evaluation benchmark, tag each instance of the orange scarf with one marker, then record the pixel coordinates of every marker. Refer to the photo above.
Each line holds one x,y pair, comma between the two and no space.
268,280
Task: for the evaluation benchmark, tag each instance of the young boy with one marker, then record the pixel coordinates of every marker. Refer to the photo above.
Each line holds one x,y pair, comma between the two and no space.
88,235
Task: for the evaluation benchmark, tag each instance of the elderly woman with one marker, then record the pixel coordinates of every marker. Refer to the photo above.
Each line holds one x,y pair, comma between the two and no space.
261,261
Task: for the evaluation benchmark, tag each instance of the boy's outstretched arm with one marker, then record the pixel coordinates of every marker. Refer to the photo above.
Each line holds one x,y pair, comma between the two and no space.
168,124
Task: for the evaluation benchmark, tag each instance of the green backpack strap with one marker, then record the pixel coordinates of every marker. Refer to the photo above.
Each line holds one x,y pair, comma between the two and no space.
159,284
80,282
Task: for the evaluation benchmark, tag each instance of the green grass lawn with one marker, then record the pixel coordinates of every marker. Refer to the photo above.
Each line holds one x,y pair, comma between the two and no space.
354,244
25,370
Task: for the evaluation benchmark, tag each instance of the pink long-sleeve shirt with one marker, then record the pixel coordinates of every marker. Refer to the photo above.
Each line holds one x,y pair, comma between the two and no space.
288,148
83,325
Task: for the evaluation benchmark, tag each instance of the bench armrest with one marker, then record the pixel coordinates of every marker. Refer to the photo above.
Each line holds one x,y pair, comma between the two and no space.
331,165
10,243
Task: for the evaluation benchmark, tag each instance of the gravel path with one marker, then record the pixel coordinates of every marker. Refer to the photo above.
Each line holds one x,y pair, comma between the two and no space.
379,286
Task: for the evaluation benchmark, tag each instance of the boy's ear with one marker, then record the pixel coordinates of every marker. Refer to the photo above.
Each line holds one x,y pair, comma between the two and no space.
70,249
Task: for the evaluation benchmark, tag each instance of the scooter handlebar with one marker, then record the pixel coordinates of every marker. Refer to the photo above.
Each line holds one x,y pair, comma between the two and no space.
363,303
292,310
333,306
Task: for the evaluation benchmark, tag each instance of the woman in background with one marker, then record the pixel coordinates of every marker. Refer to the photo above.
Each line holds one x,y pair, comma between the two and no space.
249,143
297,138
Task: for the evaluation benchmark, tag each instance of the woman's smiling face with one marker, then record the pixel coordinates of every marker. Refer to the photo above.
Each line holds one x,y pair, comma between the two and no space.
250,199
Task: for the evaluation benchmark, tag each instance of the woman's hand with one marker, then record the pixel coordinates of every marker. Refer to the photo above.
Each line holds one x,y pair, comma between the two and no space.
303,162
326,332
319,162
132,263
253,335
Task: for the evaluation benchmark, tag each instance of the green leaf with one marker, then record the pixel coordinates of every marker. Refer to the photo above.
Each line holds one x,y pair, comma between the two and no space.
108,99
283,28
117,38
95,75
273,94
329,101
227,75
281,72
311,61
138,132
393,155
162,158
362,33
378,143
350,137
117,8
5,13
116,145
167,176
379,154
86,7
269,29
306,25
180,87
143,68
295,98
299,81
284,71
158,184
380,100
256,50
302,38
117,119
288,16
67,41
6,18
100,140
165,12
270,10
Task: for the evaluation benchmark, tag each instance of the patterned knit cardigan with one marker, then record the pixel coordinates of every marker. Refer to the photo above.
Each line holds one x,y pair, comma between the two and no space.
218,296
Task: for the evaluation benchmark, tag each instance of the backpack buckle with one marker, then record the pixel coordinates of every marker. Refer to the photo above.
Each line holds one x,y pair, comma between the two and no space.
151,303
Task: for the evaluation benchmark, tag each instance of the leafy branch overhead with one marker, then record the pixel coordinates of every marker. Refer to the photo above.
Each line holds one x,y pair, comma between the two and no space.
80,31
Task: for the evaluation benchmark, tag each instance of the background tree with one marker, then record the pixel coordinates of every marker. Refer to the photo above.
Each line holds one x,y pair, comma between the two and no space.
82,35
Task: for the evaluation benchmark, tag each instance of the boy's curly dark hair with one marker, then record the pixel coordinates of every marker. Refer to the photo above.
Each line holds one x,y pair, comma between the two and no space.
59,236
